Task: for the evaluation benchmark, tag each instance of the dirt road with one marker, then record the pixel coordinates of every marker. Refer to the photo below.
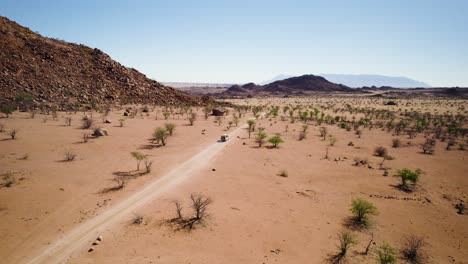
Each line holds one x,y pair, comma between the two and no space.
62,249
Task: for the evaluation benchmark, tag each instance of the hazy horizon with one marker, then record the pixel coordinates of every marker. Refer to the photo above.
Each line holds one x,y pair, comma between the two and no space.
213,42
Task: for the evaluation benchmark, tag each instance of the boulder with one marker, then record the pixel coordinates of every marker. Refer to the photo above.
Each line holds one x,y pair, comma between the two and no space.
390,103
99,132
108,121
218,111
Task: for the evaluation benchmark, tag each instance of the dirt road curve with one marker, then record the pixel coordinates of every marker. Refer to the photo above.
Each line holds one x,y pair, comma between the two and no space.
62,249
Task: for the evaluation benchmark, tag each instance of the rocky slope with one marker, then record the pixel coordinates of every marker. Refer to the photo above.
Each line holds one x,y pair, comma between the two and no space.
55,71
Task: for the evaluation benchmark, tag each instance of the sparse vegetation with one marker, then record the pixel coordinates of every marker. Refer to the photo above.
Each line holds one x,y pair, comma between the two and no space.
138,157
413,249
13,133
69,155
408,175
275,141
160,136
261,138
386,254
170,127
199,206
346,239
68,120
361,210
380,151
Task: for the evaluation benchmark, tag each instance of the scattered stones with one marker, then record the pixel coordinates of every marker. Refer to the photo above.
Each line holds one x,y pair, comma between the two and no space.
108,121
91,249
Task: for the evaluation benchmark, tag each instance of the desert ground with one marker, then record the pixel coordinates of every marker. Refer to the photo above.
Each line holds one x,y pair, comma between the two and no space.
284,204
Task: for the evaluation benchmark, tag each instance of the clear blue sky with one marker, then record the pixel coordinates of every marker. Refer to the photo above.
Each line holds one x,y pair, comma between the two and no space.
242,41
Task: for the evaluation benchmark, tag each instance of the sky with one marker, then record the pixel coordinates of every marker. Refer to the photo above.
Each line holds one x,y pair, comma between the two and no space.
242,41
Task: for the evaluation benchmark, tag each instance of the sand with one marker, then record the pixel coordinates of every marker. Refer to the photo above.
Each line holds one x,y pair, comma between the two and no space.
256,217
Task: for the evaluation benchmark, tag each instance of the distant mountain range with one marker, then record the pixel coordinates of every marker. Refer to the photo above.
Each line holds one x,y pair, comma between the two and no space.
361,80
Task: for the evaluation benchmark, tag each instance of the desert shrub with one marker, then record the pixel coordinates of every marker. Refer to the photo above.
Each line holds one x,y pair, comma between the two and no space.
332,140
69,155
13,133
283,173
302,135
87,123
68,120
275,140
396,143
323,132
305,127
346,239
24,101
207,111
261,138
199,205
428,147
192,117
413,249
251,126
137,219
160,135
7,109
408,175
386,254
170,127
380,151
148,165
361,210
122,122
138,157
7,180
85,137
460,208
166,115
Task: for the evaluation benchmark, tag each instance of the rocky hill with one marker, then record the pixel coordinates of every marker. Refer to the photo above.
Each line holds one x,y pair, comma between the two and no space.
302,85
58,72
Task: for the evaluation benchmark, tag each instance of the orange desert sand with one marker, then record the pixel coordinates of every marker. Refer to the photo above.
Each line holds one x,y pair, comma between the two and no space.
55,210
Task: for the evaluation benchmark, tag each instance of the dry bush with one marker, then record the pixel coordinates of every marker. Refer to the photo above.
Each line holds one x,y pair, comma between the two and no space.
137,219
68,120
360,161
302,135
148,165
87,123
122,122
199,205
85,137
283,173
69,155
7,180
413,249
396,143
380,151
12,133
428,146
323,132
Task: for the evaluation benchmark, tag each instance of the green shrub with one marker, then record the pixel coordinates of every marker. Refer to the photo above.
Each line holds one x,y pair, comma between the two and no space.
361,210
386,254
275,141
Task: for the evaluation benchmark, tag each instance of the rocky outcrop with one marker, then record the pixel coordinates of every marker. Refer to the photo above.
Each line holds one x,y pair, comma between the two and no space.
55,71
